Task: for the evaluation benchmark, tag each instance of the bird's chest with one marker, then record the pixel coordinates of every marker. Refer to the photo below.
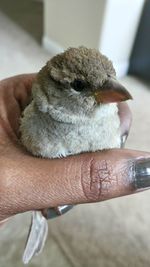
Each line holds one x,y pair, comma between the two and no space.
92,135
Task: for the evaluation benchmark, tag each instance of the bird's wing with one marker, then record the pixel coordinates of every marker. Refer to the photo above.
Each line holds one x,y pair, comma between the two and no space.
37,236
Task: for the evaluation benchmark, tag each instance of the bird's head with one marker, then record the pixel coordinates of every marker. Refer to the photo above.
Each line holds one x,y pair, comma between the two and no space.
86,78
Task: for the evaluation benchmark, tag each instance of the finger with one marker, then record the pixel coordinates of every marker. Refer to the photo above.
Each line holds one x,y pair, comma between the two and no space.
125,120
15,94
20,86
40,183
22,91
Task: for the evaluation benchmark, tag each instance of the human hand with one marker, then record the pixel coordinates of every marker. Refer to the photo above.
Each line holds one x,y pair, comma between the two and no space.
30,183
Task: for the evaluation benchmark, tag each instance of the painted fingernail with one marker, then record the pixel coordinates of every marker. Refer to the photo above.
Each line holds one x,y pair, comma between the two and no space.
63,209
142,174
123,140
52,213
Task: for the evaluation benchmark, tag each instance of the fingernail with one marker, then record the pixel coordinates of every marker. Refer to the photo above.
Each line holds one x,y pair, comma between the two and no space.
123,140
142,174
52,213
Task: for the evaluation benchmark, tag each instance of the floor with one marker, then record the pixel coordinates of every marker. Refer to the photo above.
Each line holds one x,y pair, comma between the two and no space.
110,234
19,52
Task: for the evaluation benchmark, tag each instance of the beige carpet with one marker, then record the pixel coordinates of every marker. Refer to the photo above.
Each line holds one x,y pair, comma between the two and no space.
110,234
19,53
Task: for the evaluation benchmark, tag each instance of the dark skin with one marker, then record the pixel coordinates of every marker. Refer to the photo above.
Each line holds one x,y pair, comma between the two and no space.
30,183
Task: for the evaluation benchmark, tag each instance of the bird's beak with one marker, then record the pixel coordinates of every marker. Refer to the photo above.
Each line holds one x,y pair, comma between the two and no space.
111,92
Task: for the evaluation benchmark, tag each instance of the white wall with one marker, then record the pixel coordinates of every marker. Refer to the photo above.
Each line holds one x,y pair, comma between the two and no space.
108,25
118,32
72,23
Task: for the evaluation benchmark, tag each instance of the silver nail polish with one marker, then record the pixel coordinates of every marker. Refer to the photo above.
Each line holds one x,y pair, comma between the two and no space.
142,174
52,213
123,140
63,209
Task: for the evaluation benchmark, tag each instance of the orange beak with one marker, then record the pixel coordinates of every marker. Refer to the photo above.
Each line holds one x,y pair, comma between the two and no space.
111,92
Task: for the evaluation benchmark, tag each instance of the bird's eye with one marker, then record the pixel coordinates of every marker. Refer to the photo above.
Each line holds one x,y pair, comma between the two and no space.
78,85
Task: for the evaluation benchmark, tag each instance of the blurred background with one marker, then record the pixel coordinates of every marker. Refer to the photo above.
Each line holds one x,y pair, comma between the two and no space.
112,233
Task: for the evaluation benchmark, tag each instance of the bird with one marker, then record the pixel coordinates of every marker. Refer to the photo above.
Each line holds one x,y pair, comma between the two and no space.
74,107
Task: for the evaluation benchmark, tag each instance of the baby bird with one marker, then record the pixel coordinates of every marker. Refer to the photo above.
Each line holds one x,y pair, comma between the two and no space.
74,106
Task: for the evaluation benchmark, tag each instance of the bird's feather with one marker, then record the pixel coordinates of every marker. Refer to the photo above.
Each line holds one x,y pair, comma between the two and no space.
37,236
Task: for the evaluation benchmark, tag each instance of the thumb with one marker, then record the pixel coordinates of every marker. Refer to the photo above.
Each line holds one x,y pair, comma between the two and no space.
36,183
